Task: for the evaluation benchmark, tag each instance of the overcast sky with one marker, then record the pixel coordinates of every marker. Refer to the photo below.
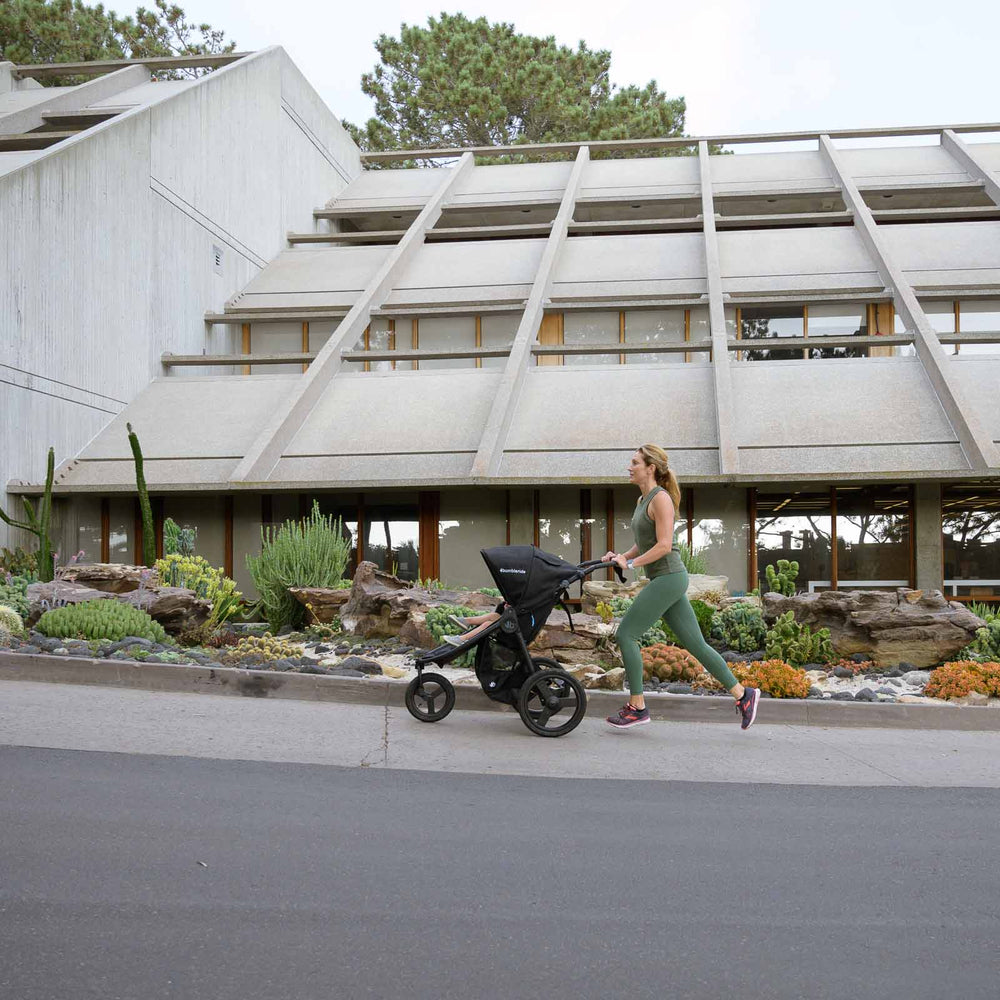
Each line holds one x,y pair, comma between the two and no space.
747,66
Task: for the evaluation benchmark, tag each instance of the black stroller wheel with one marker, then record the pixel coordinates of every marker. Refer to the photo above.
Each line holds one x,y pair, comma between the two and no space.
552,702
430,697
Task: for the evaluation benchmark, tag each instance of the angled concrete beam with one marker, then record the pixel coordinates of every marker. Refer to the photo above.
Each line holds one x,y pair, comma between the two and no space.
73,99
263,454
970,158
494,436
729,455
976,442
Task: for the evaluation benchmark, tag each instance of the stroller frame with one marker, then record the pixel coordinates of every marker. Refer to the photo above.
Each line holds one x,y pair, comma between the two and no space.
538,687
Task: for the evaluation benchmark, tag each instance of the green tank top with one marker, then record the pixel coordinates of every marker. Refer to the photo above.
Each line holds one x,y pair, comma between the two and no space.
644,532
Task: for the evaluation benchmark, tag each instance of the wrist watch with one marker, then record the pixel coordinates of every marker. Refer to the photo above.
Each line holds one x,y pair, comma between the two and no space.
628,563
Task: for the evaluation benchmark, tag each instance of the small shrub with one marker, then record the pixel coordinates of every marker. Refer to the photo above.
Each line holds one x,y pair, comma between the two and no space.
985,611
197,574
322,631
14,594
17,562
604,612
986,646
490,592
959,678
778,678
864,667
104,619
714,597
797,644
308,553
266,646
10,624
694,561
438,625
703,612
740,627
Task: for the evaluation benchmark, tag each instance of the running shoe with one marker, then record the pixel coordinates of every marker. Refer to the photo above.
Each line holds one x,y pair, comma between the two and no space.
462,623
747,706
629,716
455,640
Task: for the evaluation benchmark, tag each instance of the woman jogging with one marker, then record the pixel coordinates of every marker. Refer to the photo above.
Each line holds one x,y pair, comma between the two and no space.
665,596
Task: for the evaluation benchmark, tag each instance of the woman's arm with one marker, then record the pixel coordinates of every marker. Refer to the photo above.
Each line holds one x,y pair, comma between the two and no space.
663,517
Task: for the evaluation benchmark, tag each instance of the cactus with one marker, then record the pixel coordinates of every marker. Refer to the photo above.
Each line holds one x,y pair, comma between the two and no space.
148,531
14,594
10,621
796,644
38,522
266,646
986,646
669,663
103,619
783,581
197,574
740,627
178,540
438,625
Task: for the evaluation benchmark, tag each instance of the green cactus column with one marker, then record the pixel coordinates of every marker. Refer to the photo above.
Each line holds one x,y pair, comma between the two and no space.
148,531
38,522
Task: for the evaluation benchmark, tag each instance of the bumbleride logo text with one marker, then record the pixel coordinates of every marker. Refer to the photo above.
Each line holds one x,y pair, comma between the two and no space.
523,572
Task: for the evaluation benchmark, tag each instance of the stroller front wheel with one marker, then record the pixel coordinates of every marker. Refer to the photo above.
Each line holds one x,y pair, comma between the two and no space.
430,697
552,702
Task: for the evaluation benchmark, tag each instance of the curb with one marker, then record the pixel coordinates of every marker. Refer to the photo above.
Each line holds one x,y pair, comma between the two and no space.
193,679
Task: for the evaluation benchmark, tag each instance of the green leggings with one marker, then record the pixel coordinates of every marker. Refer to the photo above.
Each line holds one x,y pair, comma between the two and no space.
666,597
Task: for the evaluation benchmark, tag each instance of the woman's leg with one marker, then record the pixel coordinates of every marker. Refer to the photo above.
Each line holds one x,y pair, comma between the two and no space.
646,610
681,618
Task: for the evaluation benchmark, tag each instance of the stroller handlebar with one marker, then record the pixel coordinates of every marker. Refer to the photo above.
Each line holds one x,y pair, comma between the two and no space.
586,568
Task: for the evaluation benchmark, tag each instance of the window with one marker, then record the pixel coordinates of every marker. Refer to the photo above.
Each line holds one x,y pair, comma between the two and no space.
840,319
767,322
592,328
446,333
205,515
970,523
470,520
497,330
979,316
873,537
794,525
391,537
656,326
720,531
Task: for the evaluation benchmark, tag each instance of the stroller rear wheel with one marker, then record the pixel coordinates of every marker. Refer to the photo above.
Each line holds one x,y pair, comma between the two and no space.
430,697
551,702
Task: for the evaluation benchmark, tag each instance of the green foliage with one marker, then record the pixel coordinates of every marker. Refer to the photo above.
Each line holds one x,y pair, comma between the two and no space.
985,611
740,627
604,611
14,594
195,573
104,619
782,580
322,631
694,562
796,644
703,612
308,553
10,621
47,31
986,645
656,633
458,82
957,679
38,521
438,625
431,583
177,540
490,592
17,562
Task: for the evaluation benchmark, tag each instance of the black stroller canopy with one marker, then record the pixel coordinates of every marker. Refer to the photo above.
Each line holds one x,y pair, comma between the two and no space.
526,576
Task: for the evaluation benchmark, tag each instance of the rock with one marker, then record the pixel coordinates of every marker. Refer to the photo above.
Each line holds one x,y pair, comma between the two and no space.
886,690
865,694
590,636
60,651
177,609
381,604
903,666
321,649
917,678
678,687
131,640
597,591
322,604
111,578
613,680
815,692
43,596
315,668
919,699
390,671
730,656
918,626
360,664
334,671
843,672
972,698
842,696
751,599
895,672
816,675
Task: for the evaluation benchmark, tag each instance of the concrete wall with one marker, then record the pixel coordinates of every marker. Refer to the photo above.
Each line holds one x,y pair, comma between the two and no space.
116,228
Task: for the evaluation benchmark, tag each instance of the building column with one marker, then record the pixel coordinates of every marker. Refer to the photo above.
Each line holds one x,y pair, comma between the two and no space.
928,540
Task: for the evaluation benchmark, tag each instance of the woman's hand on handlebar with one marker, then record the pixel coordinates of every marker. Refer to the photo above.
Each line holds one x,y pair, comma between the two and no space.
609,556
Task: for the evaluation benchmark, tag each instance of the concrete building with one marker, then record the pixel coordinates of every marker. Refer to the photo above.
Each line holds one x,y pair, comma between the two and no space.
451,358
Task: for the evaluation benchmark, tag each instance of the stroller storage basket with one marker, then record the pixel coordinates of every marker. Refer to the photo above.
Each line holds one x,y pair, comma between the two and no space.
532,582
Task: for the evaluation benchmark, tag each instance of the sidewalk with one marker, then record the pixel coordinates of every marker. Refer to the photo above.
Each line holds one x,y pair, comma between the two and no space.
78,717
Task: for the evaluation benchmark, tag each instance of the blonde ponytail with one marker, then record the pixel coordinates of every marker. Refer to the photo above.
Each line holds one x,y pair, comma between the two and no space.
655,456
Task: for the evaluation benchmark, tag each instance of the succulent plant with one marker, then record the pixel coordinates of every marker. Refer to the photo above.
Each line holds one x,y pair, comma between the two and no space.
740,627
265,646
669,663
797,644
104,619
782,580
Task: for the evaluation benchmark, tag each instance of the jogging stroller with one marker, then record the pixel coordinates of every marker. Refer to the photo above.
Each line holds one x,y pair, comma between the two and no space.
550,701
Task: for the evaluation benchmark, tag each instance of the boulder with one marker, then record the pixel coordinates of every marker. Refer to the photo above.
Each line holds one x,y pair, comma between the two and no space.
918,626
589,641
380,604
177,609
322,604
57,594
111,578
596,591
613,680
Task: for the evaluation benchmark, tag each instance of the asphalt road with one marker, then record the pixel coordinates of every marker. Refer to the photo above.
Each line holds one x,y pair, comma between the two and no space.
318,881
